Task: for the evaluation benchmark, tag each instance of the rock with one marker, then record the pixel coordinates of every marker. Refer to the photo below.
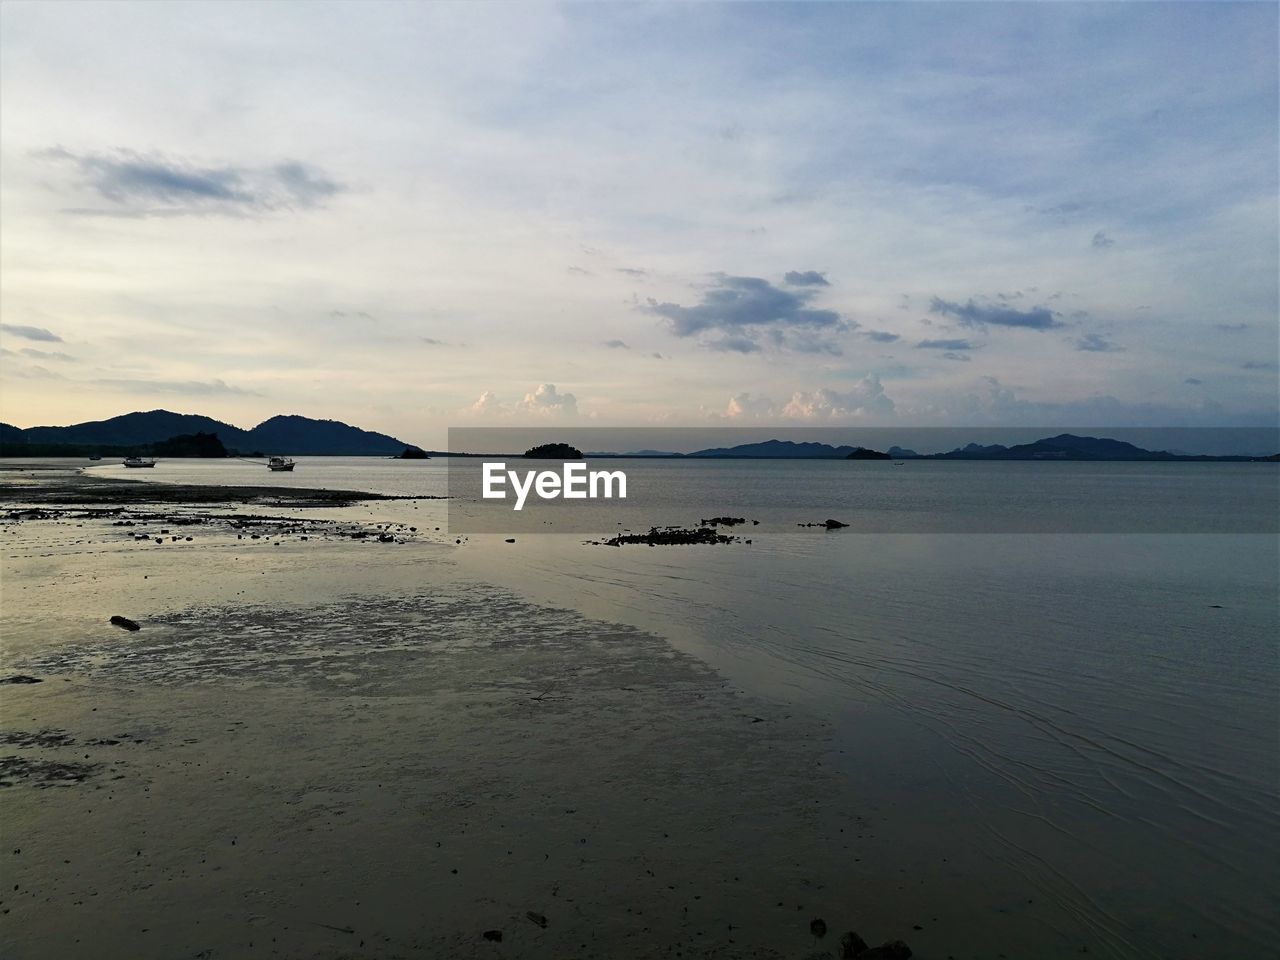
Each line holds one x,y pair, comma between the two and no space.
510,540
21,678
723,521
537,918
125,623
818,927
494,935
851,945
893,950
834,524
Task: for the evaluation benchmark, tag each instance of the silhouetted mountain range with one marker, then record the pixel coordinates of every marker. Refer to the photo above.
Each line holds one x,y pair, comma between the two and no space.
1064,446
284,435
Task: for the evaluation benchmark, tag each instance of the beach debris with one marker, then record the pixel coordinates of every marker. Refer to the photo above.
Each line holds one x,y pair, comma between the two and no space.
21,678
851,945
494,935
669,536
537,918
125,623
818,927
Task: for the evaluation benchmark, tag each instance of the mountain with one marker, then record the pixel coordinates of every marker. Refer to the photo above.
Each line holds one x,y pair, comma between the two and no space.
284,435
780,449
1067,446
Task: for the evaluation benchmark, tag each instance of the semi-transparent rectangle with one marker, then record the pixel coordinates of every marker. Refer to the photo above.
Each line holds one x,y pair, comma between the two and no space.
905,480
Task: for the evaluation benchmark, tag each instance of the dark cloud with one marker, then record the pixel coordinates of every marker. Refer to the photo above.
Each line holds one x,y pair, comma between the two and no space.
633,271
1257,365
1231,327
29,333
963,357
155,185
945,345
806,278
616,345
974,314
1094,343
1194,381
733,345
1101,241
742,309
880,336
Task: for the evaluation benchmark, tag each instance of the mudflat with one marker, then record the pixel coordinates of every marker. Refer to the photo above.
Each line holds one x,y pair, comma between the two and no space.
324,745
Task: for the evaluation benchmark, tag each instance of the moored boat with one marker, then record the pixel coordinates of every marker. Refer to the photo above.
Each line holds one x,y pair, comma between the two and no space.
280,463
139,462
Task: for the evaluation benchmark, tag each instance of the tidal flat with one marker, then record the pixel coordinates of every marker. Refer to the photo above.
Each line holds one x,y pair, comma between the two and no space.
327,746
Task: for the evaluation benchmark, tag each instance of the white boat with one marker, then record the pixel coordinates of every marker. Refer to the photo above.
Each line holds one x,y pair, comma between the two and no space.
280,463
139,462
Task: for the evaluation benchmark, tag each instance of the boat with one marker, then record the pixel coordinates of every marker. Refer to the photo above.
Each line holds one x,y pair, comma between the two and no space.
280,463
139,462
95,456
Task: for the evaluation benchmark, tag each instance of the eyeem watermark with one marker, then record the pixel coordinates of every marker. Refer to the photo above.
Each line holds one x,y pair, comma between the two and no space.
573,482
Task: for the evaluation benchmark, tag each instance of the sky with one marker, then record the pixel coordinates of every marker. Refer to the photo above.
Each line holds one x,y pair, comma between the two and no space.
413,216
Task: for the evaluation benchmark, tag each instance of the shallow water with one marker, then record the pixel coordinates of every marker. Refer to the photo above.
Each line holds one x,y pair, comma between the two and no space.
1062,739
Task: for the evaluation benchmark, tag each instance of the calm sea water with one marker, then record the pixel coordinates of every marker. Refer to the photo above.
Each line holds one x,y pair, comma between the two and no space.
1058,739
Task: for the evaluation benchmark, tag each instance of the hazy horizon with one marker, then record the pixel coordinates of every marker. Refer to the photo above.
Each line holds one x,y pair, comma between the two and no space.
410,217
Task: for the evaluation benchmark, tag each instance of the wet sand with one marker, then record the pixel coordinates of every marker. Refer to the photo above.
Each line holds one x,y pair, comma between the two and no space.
342,747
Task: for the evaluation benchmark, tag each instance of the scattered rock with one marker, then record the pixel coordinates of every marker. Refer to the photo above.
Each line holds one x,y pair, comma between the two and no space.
21,678
669,536
851,945
818,927
829,524
723,521
125,623
494,935
510,540
537,918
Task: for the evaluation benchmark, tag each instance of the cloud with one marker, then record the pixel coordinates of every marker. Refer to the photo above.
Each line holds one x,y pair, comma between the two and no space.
962,357
880,336
866,398
633,271
155,185
46,355
547,401
1231,327
945,345
973,314
1258,365
744,307
616,345
745,406
1094,343
806,278
1101,241
1194,381
204,388
433,342
733,345
804,341
29,333
353,315
487,403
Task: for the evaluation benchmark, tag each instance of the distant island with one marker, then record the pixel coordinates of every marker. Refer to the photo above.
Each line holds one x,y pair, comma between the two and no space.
553,451
162,433
1063,447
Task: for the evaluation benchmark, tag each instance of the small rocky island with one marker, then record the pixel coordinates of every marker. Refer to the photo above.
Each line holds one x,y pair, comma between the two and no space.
412,453
553,451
